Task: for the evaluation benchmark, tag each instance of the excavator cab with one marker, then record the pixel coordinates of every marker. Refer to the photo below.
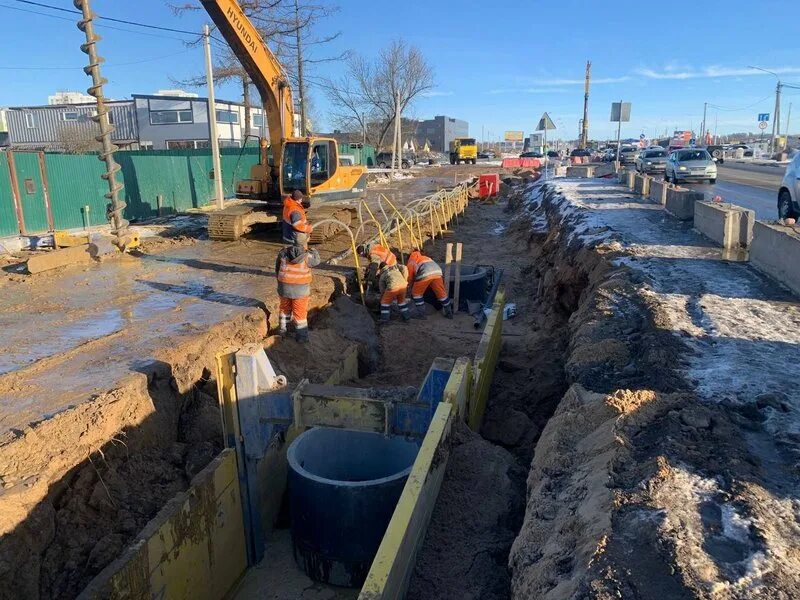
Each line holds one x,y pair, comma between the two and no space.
308,165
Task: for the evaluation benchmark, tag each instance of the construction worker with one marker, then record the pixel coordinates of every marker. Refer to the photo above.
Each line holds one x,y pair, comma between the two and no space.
377,255
295,222
424,273
293,270
392,285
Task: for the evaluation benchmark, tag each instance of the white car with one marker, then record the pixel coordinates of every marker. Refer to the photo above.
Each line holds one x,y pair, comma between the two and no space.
789,192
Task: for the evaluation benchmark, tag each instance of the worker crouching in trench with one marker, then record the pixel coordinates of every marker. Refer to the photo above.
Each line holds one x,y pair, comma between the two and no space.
424,273
293,270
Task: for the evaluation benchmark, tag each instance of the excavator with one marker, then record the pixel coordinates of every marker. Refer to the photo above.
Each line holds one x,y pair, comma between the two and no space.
287,162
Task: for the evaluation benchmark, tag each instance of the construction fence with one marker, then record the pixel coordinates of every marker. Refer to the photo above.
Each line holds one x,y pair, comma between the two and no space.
42,191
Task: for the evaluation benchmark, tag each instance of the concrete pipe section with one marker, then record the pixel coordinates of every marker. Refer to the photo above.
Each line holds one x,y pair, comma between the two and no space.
343,488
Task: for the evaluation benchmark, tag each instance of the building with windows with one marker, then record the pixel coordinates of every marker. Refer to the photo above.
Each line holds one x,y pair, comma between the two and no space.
146,122
65,97
440,131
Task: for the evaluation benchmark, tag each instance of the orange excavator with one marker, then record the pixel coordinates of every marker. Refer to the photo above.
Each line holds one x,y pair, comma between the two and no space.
286,162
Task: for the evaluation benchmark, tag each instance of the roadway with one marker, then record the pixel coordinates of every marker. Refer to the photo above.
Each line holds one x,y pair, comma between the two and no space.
747,185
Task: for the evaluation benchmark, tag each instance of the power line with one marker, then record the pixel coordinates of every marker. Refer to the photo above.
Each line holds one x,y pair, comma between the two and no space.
102,18
122,64
742,108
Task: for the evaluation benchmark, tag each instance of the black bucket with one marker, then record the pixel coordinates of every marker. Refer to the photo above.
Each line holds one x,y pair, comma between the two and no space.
475,283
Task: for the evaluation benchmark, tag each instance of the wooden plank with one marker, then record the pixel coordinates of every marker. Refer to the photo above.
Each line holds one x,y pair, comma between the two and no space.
194,548
63,257
458,387
486,361
390,571
448,265
457,286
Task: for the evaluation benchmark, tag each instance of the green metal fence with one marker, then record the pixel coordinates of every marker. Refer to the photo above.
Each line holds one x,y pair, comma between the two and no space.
181,178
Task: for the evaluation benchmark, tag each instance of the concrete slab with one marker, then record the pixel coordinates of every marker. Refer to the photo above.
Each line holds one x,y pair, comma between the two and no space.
680,203
775,250
728,225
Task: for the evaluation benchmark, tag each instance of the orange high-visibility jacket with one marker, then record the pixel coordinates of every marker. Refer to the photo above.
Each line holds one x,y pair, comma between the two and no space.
294,219
421,267
293,270
378,254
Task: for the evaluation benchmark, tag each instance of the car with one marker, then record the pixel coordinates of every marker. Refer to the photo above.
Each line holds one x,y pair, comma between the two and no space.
690,164
628,154
553,154
789,192
580,152
531,154
384,160
651,161
609,155
748,151
717,152
488,154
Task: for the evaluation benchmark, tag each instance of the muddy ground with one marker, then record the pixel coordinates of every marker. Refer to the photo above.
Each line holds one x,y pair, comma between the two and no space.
106,399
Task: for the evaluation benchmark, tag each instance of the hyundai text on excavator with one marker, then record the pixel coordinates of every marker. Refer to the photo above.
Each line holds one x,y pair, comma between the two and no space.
308,164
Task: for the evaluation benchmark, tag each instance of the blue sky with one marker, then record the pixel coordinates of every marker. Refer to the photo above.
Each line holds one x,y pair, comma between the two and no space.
498,64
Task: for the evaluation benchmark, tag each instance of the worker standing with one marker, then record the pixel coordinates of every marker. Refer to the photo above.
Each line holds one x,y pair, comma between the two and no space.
293,270
295,226
424,273
393,286
377,255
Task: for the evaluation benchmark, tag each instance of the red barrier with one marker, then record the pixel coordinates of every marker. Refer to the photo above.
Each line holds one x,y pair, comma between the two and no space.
530,163
512,163
574,160
488,185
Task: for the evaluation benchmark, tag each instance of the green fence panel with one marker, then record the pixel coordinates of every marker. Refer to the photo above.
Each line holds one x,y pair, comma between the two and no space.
31,192
75,184
8,216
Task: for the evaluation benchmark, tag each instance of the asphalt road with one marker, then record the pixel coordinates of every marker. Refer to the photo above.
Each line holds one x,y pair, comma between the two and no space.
750,186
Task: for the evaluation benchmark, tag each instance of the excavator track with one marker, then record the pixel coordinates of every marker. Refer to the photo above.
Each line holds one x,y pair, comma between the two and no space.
328,230
233,222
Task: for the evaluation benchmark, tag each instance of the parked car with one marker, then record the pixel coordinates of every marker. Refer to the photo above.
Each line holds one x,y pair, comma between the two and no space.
384,160
553,154
531,154
628,154
580,152
488,154
690,165
651,161
609,155
789,192
748,151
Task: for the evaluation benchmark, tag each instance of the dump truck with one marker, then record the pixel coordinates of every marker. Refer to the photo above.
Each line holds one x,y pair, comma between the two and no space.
463,150
286,162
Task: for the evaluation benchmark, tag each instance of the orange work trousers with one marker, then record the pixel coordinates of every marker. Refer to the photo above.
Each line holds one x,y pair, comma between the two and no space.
295,309
391,295
435,283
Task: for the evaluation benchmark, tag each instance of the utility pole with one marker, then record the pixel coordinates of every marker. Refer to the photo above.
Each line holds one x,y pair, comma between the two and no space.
776,122
212,121
396,159
703,128
300,81
788,117
585,124
363,129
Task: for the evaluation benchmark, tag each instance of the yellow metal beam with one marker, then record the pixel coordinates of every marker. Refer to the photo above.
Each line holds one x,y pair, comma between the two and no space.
486,361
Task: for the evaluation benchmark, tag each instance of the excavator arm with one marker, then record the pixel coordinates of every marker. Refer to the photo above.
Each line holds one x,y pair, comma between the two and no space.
261,66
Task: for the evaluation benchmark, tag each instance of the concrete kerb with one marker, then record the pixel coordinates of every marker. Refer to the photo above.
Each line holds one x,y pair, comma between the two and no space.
680,203
641,184
658,191
775,250
726,224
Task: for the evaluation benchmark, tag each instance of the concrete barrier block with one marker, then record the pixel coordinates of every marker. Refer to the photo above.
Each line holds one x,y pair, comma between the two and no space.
560,171
680,203
728,225
775,250
582,171
641,184
658,191
630,179
604,169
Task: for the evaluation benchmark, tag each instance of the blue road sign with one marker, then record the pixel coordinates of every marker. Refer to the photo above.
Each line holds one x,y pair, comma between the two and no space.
763,116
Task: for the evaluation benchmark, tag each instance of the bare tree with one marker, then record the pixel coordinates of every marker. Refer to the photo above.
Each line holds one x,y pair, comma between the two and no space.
290,28
373,92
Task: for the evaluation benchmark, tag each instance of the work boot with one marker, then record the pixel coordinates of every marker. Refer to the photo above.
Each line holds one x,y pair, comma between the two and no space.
302,335
447,311
405,314
419,312
384,318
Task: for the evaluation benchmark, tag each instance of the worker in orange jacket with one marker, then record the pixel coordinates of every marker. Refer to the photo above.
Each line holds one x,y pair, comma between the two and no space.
424,273
293,270
393,286
377,256
295,226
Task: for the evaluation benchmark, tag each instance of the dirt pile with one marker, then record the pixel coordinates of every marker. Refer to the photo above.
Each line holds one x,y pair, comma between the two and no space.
639,488
465,550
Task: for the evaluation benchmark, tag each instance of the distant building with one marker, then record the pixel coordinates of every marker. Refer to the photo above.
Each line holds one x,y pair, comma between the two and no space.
154,122
70,98
440,131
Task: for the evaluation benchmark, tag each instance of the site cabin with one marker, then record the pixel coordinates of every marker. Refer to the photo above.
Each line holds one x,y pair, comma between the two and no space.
463,150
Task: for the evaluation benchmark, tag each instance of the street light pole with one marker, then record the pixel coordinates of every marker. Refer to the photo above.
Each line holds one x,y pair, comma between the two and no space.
703,128
212,121
776,125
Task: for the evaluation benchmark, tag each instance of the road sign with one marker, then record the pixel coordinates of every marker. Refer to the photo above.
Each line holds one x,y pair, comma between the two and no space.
763,117
545,123
620,112
762,125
